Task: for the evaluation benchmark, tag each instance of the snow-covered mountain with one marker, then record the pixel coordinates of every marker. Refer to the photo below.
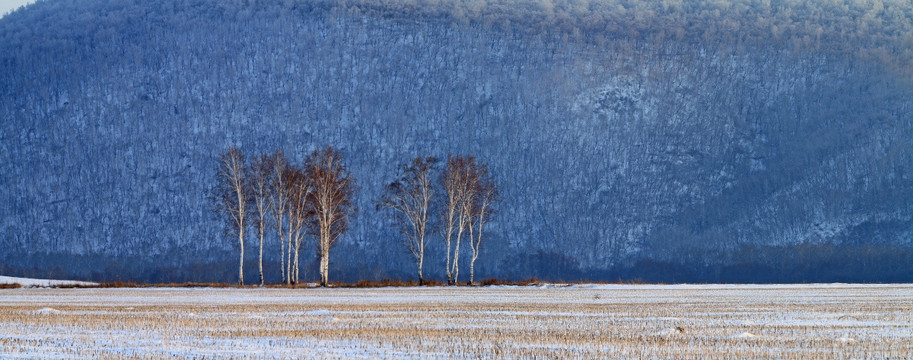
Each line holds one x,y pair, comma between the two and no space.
662,144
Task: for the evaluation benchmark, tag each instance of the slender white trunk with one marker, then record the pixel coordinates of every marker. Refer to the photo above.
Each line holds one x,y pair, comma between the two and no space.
472,265
476,242
295,273
456,256
447,239
472,270
325,266
281,248
449,273
421,241
282,253
288,259
261,252
326,227
241,268
421,259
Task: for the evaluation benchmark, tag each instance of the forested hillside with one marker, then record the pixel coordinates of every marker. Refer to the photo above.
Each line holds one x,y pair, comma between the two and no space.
668,140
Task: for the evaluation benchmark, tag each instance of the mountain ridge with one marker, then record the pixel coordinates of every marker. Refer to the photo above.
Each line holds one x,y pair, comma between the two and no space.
636,151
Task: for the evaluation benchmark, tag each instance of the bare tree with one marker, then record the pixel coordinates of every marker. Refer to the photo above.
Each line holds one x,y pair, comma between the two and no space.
331,201
410,199
460,186
450,183
466,191
485,195
279,203
300,188
261,168
233,196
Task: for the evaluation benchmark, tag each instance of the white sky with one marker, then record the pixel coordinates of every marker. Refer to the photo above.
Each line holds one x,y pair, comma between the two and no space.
10,5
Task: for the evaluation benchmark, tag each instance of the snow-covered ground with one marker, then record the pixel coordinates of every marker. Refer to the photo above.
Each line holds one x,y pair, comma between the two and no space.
26,282
549,321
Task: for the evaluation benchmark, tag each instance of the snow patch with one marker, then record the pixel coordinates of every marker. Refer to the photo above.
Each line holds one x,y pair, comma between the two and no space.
26,282
47,311
745,335
670,331
318,312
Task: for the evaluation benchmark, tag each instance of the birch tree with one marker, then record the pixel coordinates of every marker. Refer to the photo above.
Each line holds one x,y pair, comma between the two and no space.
331,200
232,196
466,190
300,188
485,195
450,184
460,186
409,197
279,204
258,186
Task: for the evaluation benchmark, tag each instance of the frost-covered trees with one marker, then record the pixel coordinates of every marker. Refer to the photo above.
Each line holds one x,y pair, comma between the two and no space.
232,196
331,202
409,197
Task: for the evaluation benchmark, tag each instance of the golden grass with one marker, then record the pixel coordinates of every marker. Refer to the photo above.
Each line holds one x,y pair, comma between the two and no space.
516,322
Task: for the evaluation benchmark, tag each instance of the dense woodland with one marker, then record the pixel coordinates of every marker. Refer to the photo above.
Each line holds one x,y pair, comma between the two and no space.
668,141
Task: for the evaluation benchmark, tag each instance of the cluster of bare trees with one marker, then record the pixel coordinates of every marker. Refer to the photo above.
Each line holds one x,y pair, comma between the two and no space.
468,193
313,200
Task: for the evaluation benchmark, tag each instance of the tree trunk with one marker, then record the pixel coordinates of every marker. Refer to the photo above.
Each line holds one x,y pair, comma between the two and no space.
456,257
282,253
325,266
421,279
261,252
241,268
288,260
472,270
472,258
449,272
475,255
295,267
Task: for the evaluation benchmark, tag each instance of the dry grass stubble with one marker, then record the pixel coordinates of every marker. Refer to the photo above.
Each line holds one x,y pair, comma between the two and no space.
760,322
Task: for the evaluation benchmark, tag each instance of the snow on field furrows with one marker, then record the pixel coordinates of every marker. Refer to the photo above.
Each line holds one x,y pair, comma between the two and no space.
819,321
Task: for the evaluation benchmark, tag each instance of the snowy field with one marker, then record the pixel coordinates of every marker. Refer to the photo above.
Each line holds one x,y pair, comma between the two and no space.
833,321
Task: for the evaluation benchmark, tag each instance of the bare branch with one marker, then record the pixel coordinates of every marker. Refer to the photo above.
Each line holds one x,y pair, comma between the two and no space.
410,197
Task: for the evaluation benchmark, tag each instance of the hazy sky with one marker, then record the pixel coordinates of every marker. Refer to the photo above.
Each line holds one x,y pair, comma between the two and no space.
8,5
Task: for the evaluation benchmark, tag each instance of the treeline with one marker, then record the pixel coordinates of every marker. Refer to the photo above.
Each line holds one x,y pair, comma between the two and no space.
315,201
880,30
804,263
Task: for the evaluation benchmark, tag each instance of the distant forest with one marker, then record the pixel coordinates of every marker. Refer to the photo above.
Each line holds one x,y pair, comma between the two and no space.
874,29
878,30
665,141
